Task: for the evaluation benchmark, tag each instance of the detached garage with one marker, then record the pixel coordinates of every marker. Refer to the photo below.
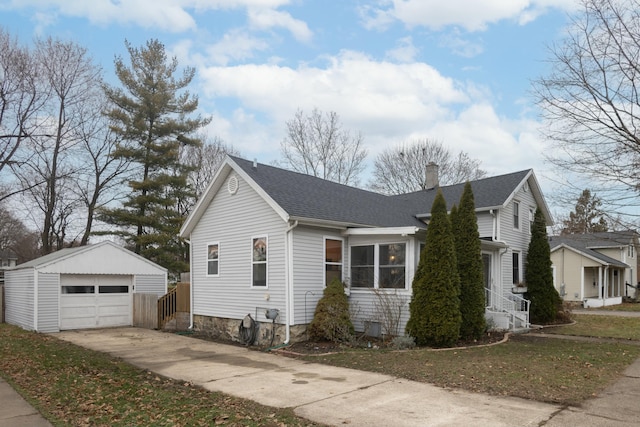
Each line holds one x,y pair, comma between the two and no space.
78,288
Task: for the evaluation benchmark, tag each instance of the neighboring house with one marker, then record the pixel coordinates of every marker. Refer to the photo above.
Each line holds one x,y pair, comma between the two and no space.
267,238
595,269
7,260
82,287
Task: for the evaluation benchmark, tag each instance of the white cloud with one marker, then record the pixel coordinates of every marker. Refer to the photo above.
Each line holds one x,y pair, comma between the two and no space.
460,45
167,15
237,44
362,91
470,15
265,19
404,52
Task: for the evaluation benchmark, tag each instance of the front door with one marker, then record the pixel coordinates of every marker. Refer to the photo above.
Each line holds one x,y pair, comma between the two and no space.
486,265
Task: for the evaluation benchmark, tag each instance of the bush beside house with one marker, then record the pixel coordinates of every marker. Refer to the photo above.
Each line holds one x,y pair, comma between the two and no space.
544,298
435,306
331,320
469,257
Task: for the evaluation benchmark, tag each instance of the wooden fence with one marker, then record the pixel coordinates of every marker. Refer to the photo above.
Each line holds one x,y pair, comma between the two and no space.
145,311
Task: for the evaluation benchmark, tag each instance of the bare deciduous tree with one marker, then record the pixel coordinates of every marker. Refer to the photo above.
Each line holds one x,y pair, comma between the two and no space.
590,99
20,100
70,80
402,169
204,161
100,178
316,144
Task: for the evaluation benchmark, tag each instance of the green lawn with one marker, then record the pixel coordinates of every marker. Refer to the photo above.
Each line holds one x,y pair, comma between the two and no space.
71,385
595,325
625,306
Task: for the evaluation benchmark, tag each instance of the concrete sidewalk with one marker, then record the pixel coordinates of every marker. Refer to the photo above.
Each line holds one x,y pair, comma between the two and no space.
321,393
15,411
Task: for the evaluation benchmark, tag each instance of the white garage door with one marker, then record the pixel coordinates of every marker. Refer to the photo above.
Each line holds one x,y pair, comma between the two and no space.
88,301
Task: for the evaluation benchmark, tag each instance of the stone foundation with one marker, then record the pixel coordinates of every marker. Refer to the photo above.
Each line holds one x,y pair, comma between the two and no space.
229,329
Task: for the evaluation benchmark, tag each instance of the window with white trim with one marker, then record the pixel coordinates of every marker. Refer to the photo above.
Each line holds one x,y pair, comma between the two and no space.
516,215
259,261
391,262
332,260
515,259
387,260
213,259
532,218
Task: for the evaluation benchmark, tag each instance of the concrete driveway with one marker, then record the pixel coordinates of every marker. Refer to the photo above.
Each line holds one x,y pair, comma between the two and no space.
324,394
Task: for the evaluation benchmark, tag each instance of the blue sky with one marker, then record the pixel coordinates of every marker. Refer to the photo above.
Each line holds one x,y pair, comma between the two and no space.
458,71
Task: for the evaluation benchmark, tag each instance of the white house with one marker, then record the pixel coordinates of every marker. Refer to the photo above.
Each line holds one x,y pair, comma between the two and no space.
82,287
267,238
595,269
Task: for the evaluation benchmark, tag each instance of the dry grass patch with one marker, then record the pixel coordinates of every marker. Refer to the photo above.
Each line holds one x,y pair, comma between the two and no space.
594,325
74,386
549,370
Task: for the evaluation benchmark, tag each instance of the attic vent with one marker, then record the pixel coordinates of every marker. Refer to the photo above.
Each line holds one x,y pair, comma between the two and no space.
525,187
232,185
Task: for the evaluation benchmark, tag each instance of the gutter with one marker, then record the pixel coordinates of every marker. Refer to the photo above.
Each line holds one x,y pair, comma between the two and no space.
190,285
288,293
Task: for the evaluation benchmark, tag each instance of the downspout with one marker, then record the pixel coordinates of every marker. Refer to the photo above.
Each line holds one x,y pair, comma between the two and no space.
35,299
190,285
288,294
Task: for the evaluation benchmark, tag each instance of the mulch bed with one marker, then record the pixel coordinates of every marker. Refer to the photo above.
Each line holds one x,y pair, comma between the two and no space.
324,347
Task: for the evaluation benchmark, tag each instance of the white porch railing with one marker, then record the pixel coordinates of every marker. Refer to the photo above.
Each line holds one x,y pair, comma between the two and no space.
514,306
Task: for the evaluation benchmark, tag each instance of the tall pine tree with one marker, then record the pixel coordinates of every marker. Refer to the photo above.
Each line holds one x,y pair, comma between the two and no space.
538,274
435,305
469,256
150,112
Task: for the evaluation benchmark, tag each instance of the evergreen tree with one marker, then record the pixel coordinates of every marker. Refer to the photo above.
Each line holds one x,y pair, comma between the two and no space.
539,276
435,305
587,216
469,256
150,113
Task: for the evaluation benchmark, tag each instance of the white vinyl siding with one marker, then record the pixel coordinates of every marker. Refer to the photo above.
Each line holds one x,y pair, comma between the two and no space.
150,284
308,269
485,224
18,294
363,300
48,302
517,239
234,220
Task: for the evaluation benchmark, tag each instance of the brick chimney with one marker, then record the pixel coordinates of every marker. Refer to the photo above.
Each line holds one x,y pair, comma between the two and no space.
431,180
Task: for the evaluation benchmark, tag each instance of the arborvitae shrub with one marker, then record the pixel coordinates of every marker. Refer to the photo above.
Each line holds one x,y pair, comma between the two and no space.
544,298
435,305
470,269
331,320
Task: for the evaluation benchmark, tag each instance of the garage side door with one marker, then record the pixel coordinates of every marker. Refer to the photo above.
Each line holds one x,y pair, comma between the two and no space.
92,301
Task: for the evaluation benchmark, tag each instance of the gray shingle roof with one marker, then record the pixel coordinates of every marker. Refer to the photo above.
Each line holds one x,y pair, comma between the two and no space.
305,196
489,192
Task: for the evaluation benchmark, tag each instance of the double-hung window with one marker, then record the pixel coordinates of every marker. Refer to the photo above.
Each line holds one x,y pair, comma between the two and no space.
332,260
213,259
515,259
259,261
381,266
362,266
516,215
